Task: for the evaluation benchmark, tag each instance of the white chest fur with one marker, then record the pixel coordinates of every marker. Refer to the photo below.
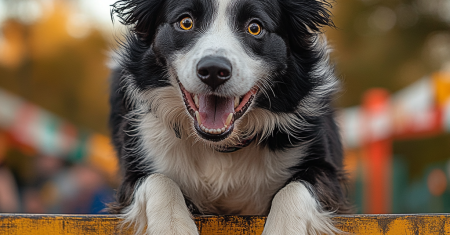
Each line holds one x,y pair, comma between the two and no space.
242,182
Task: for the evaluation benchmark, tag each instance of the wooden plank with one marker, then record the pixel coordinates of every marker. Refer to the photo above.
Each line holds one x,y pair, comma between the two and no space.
395,224
21,224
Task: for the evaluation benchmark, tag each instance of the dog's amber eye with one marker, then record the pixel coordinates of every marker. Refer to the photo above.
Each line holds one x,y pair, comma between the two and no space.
186,23
254,29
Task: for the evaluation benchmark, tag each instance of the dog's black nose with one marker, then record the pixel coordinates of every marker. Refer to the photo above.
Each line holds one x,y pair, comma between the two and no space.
214,70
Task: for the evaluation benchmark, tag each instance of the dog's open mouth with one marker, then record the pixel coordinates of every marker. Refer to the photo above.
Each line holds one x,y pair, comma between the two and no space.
214,116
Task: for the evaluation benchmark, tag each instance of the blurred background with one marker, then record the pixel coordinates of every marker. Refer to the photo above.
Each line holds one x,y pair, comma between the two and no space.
392,56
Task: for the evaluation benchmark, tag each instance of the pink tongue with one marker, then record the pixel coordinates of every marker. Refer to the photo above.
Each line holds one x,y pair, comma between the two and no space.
214,110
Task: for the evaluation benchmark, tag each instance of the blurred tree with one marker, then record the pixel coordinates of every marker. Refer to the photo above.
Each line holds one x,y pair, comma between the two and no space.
46,65
383,43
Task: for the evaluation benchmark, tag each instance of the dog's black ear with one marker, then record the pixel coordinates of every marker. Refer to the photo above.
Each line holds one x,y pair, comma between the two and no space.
142,15
305,18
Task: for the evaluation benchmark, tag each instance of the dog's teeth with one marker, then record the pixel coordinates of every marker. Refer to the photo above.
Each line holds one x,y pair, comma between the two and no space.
228,121
199,120
236,102
196,100
213,131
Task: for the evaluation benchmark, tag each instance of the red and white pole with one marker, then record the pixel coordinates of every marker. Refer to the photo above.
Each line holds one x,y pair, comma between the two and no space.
377,151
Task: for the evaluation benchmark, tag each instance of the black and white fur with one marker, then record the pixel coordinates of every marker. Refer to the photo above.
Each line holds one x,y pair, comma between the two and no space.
291,172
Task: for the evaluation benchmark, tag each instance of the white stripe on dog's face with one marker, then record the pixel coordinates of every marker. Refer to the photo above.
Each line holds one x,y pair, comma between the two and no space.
220,40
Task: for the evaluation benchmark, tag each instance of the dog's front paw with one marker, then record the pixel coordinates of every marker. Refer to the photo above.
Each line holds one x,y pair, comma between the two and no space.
295,211
159,208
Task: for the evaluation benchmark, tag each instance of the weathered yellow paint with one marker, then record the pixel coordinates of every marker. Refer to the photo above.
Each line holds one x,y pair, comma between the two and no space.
25,224
395,224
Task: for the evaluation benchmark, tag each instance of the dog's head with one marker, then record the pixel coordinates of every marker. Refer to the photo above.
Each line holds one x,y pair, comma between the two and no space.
226,59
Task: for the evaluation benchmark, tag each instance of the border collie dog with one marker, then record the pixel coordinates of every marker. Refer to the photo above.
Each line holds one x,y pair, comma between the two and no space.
223,107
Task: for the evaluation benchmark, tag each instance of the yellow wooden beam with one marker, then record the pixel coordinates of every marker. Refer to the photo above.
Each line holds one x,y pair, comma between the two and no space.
26,224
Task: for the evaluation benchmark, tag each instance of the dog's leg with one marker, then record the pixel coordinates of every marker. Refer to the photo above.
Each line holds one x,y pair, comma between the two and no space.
296,211
159,208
